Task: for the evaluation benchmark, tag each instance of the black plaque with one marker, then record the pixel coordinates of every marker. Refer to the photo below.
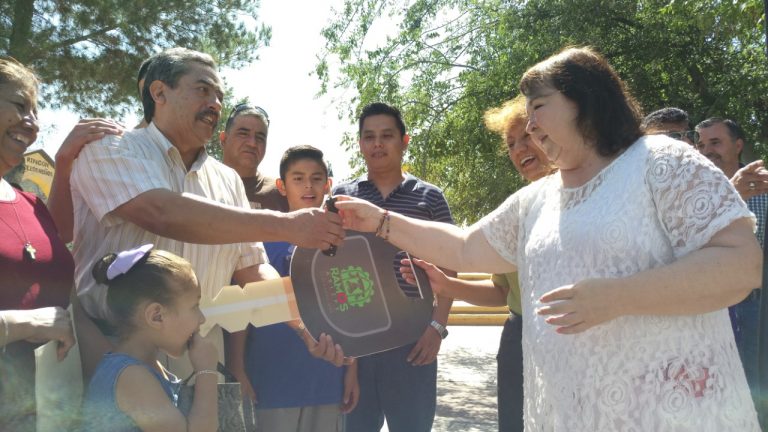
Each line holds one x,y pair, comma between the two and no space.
356,295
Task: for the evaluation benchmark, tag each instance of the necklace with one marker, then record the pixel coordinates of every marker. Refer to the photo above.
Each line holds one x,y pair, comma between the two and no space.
29,250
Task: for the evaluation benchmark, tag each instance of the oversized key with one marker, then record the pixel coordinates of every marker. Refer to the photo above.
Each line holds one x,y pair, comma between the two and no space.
357,296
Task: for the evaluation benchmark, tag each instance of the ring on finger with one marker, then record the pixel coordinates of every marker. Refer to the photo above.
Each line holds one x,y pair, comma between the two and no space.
752,185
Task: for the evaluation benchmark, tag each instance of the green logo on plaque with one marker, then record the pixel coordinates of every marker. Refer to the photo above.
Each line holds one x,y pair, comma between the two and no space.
353,287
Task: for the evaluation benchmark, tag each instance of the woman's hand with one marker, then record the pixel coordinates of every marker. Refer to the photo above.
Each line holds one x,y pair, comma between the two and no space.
440,283
583,305
43,325
358,215
202,353
85,131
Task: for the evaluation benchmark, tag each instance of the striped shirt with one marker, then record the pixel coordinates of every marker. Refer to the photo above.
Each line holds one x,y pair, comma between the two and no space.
413,197
114,170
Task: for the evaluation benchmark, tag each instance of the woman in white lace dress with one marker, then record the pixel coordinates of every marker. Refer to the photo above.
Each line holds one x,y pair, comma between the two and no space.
626,256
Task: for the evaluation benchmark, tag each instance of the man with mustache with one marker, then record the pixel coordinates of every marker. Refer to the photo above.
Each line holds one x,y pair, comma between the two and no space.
722,140
157,185
244,144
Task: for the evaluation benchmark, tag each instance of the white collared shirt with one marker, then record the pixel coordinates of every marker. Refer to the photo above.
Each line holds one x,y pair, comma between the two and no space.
114,170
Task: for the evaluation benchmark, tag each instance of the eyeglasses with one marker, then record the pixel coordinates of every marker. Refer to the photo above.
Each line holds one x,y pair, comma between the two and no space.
689,135
246,107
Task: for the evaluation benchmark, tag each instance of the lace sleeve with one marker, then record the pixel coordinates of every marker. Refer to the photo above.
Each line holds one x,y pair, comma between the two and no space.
500,228
693,199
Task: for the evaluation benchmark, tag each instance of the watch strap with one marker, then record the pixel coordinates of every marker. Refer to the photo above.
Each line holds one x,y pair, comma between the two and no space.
440,329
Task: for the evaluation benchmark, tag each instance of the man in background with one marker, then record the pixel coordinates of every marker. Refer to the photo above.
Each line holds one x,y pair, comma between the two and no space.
244,144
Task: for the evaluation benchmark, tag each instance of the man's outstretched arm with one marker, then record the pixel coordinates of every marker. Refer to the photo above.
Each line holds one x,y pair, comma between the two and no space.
194,219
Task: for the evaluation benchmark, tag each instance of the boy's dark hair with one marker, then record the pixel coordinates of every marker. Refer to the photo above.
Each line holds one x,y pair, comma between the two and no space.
608,114
297,153
378,108
151,278
665,116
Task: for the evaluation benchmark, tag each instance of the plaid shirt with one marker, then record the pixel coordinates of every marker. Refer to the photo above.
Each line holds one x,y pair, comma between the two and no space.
759,206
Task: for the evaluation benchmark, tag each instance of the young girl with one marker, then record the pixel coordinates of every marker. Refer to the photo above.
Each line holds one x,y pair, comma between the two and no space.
154,298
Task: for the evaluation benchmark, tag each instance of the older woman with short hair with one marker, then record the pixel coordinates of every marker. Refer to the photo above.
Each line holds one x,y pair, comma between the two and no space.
36,268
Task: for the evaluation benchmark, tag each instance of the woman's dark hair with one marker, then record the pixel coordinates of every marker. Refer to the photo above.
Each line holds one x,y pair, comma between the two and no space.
608,114
150,279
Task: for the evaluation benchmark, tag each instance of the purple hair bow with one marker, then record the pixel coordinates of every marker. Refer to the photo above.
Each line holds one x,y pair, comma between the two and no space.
126,260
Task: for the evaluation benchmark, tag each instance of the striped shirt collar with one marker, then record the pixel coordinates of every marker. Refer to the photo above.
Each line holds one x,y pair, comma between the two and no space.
164,144
409,184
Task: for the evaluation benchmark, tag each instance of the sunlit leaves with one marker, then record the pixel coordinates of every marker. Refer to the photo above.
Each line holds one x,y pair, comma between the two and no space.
450,60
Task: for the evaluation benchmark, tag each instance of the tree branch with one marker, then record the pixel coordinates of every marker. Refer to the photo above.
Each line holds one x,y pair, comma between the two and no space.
72,41
21,33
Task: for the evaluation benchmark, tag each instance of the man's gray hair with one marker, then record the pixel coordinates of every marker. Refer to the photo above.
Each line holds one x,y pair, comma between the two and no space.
247,110
169,66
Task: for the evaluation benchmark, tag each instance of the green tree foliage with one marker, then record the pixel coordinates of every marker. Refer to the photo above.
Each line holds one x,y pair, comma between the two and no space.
450,60
87,52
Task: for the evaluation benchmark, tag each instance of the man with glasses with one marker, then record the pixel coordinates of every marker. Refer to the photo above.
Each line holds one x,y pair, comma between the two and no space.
672,122
722,140
244,144
157,185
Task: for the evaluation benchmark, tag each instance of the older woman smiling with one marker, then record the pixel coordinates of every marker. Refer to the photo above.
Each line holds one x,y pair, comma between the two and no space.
36,268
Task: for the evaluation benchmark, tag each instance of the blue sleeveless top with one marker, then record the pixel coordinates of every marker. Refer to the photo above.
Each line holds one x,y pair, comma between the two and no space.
100,410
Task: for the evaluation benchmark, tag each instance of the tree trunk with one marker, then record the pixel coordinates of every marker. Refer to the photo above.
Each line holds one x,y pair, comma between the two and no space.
21,32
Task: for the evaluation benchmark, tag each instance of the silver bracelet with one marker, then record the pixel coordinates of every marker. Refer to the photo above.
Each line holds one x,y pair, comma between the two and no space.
204,371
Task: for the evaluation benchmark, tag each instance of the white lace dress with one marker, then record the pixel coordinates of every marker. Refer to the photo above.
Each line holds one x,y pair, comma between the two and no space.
655,203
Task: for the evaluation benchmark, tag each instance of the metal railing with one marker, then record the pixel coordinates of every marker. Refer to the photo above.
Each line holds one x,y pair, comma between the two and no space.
465,314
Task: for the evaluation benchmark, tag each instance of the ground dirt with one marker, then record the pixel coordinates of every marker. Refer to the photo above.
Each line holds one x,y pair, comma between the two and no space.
466,380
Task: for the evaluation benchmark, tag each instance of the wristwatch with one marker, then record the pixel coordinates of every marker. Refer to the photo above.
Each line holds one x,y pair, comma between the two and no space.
440,329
